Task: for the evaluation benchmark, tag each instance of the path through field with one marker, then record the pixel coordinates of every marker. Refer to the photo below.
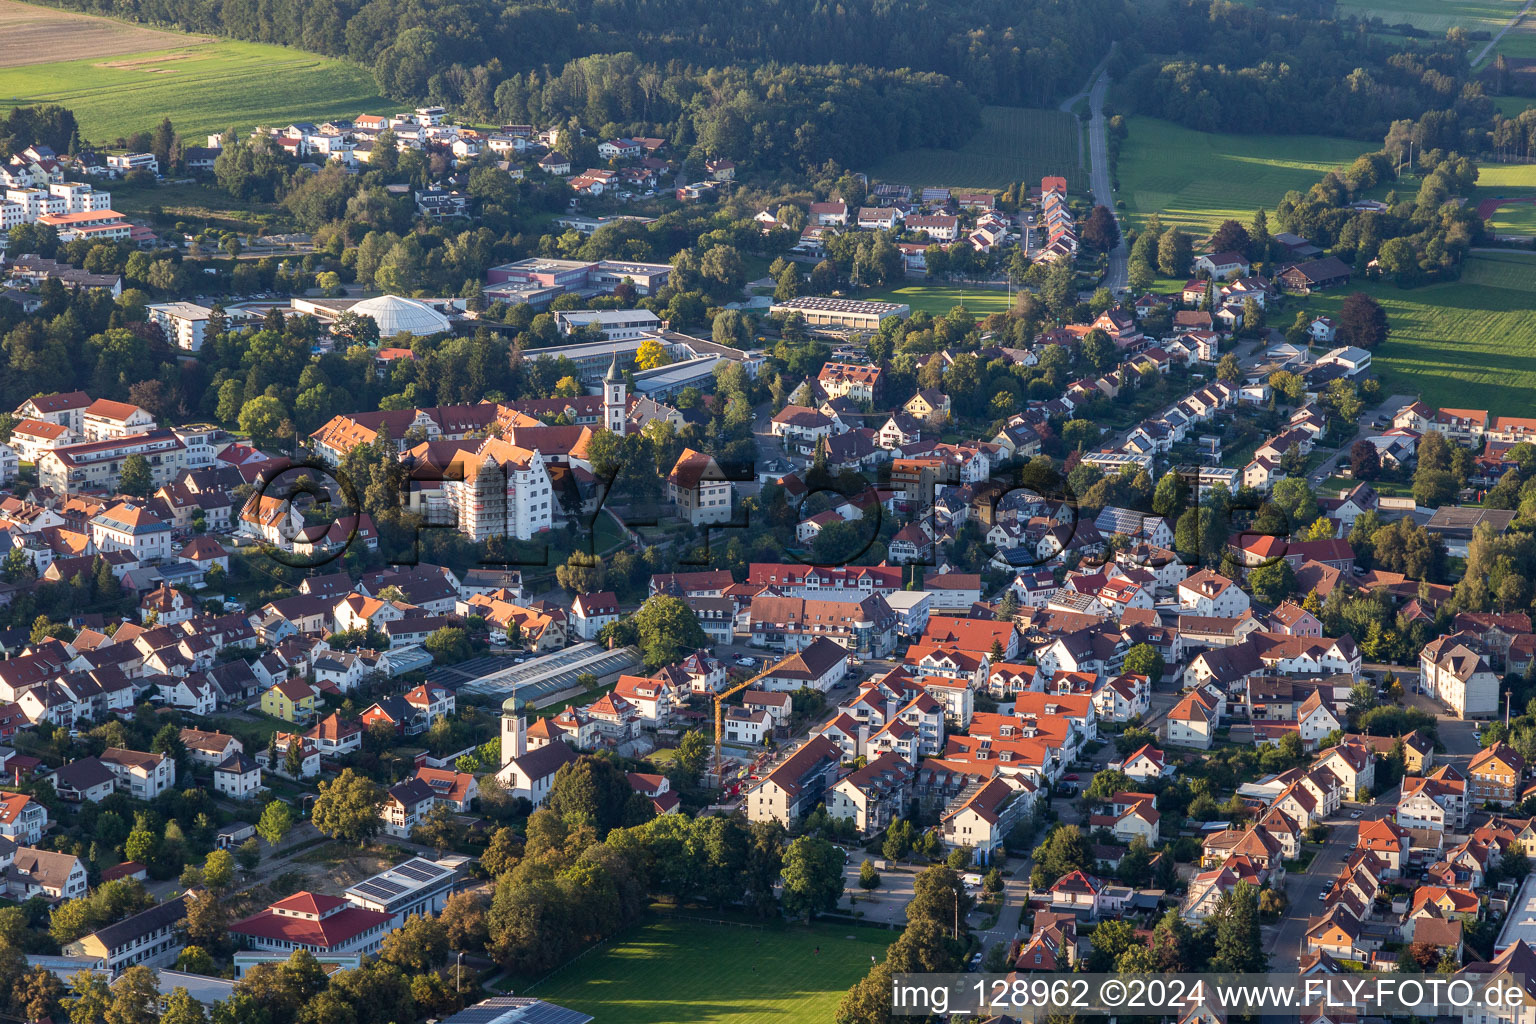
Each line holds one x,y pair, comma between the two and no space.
1478,60
1098,173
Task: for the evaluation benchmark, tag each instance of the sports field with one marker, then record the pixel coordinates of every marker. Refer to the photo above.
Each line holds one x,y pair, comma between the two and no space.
1517,218
1467,344
1506,179
676,972
939,299
1014,144
201,87
1198,179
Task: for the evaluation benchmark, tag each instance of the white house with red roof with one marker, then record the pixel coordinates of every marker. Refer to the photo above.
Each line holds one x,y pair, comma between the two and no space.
106,420
657,789
454,789
1146,764
134,529
983,819
1212,594
316,923
591,612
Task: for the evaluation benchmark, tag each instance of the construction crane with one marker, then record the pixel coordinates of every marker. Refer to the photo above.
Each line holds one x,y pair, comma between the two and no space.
720,713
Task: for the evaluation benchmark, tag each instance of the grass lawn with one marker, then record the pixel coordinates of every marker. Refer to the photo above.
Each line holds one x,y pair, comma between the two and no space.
254,735
939,299
1464,344
200,202
1198,179
1014,144
201,88
678,972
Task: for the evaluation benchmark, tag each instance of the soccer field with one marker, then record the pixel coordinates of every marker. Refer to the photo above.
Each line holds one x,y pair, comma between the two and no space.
1014,144
202,88
1467,344
682,972
1198,179
939,299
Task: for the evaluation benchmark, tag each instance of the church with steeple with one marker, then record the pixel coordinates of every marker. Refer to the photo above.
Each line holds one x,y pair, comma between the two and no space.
615,398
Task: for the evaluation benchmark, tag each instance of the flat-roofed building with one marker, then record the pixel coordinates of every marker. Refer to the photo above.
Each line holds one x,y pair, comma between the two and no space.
182,322
416,886
613,323
848,314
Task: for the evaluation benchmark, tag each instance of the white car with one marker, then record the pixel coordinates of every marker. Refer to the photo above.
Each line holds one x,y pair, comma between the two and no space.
1355,814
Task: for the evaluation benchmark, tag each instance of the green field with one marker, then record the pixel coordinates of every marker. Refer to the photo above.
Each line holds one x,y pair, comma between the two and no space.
1014,144
1198,179
1506,179
1514,219
1510,106
939,299
1468,344
679,972
202,89
1436,15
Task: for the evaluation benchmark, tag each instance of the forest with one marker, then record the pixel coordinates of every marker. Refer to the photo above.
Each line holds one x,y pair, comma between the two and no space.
1226,67
1004,51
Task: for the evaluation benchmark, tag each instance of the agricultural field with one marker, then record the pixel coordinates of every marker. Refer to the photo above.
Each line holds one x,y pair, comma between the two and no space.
1464,344
1510,106
1198,179
939,299
201,86
1014,144
1436,15
669,971
40,35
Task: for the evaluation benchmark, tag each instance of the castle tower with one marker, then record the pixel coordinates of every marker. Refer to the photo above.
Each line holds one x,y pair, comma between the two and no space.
615,398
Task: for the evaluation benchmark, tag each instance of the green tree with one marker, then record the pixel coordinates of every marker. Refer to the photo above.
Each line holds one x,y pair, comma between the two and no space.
181,1008
218,870
348,807
275,821
262,418
135,477
1110,939
812,876
1144,660
667,630
869,878
89,998
417,946
135,997
1273,582
1239,947
1063,852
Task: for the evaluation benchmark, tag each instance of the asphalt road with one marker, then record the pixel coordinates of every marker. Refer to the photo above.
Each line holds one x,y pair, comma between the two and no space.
1304,889
1116,279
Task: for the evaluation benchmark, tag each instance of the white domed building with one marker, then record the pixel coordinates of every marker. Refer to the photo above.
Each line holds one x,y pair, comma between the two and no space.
396,315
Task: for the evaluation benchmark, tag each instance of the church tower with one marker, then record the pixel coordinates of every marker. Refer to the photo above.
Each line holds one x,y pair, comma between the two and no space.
615,398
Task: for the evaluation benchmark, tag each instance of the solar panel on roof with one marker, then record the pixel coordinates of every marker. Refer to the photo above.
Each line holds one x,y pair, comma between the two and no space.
380,888
412,871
